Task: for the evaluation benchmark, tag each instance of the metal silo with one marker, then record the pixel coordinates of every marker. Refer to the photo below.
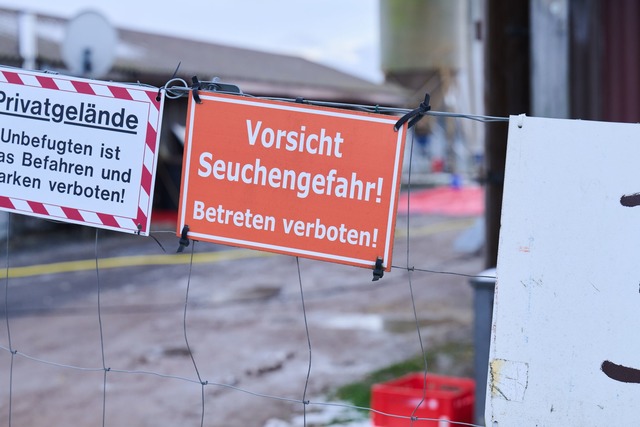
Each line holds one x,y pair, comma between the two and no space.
427,47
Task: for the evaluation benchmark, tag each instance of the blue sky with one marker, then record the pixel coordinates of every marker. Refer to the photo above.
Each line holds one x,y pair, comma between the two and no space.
343,34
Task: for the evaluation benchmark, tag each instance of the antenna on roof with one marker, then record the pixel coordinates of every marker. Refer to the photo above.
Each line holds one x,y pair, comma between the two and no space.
89,45
27,40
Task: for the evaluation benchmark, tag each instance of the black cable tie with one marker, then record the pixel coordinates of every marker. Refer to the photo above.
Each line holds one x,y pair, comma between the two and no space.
299,100
184,240
195,87
414,115
378,270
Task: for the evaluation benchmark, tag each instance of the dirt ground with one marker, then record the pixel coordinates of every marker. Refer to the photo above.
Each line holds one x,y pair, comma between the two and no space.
245,326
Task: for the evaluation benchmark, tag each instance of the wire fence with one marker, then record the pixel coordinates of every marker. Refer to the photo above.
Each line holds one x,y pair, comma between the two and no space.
103,380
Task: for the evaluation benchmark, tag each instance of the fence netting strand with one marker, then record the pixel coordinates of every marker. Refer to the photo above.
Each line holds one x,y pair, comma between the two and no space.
202,380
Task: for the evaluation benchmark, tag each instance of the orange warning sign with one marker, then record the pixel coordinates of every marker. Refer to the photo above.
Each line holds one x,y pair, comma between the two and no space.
290,178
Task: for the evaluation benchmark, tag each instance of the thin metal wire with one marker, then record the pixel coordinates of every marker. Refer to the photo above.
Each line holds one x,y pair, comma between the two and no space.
256,394
149,373
158,242
156,374
104,366
228,386
387,414
6,315
136,309
303,401
173,91
450,273
413,302
50,363
306,328
176,88
186,338
6,281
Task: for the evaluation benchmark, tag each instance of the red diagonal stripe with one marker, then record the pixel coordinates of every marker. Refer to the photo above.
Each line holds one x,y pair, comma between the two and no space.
47,82
120,92
109,220
38,208
72,214
13,77
5,202
141,221
146,180
151,138
83,87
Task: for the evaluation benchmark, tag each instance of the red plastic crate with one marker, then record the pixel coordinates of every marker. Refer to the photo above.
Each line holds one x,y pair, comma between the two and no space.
447,399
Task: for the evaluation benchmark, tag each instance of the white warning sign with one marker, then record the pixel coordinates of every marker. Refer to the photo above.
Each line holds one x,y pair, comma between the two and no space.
78,150
564,348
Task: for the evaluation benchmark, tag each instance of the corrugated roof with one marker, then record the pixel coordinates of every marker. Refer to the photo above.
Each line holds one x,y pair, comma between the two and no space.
152,59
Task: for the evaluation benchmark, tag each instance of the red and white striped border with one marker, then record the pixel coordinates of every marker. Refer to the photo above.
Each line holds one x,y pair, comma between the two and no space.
139,224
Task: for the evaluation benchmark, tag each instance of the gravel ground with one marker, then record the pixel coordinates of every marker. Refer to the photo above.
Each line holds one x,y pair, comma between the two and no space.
252,343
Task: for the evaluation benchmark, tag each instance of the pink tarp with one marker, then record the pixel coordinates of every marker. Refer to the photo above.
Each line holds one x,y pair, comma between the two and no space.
464,201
